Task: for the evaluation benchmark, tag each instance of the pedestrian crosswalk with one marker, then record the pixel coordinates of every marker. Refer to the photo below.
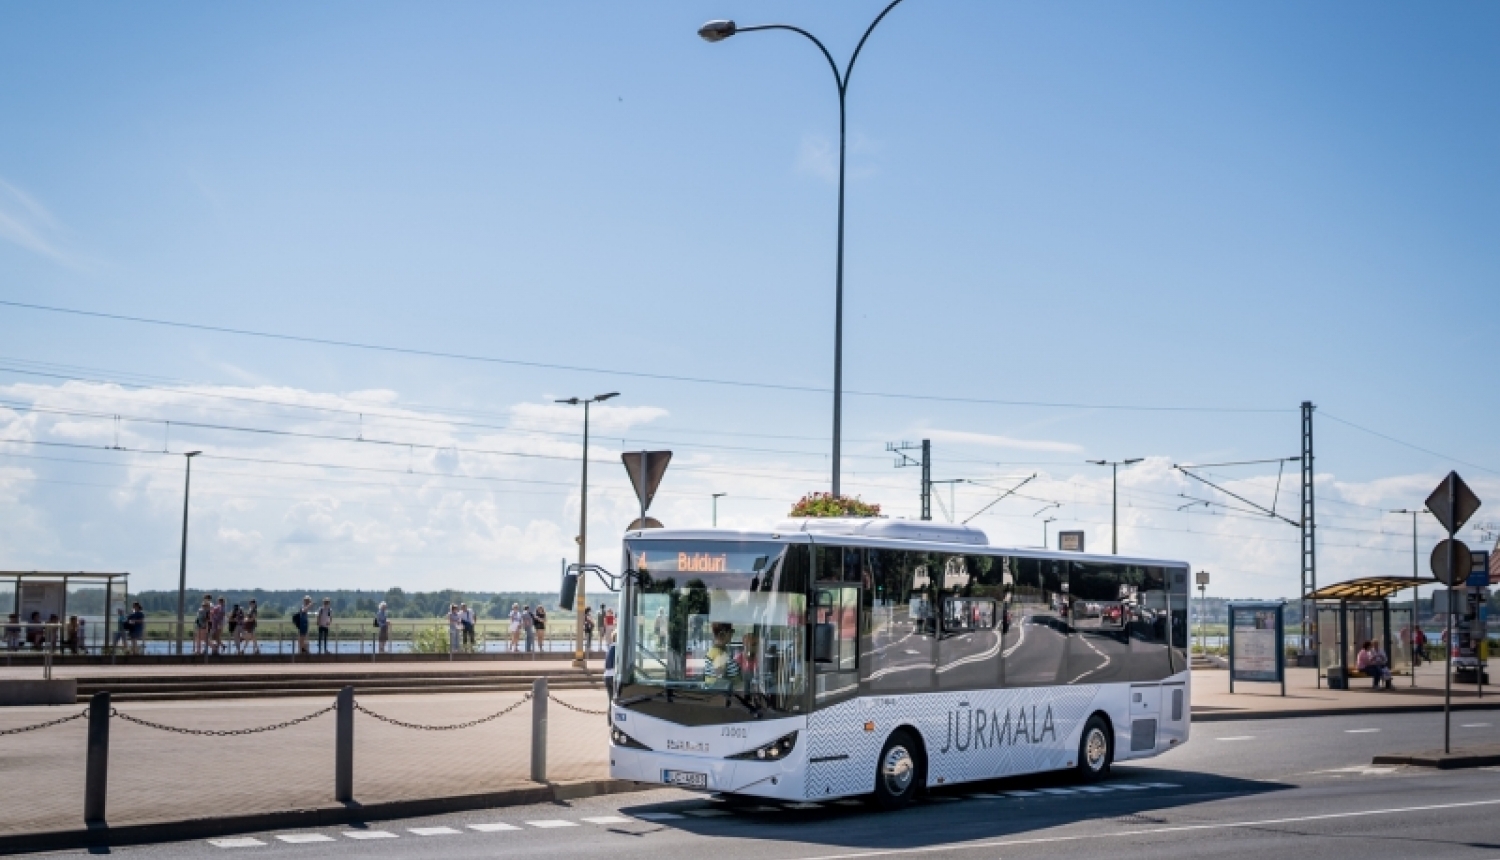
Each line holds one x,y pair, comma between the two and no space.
684,813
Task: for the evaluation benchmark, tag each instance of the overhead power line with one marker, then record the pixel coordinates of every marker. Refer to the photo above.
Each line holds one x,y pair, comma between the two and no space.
634,374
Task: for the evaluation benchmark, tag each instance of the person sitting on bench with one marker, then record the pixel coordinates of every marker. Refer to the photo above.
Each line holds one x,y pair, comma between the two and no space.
1372,663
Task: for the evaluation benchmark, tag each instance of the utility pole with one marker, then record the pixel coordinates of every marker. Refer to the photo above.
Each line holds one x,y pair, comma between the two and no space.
717,496
1114,504
902,460
1309,536
580,659
187,483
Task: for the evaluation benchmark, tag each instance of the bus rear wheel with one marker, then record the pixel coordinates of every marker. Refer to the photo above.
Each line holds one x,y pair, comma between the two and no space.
1096,750
898,771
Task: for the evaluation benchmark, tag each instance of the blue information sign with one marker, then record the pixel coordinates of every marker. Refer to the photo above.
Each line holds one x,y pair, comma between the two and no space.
1257,643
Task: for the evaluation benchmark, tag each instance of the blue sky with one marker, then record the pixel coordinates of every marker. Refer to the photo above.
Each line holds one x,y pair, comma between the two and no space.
1224,207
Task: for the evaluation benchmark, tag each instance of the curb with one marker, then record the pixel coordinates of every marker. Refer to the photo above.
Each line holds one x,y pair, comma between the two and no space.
1231,716
325,816
1489,757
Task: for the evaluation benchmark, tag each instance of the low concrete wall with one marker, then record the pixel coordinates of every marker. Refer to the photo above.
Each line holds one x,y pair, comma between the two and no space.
57,692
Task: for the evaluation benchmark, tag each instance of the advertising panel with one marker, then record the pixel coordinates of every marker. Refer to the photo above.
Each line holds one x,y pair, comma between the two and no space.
1257,636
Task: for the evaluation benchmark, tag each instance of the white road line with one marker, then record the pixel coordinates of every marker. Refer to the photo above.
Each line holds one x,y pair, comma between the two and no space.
303,838
236,842
370,834
608,819
493,827
433,831
1117,833
1237,738
1359,731
549,823
657,816
1475,726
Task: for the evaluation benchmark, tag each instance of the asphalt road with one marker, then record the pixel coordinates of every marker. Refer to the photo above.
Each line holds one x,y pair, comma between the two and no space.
1273,788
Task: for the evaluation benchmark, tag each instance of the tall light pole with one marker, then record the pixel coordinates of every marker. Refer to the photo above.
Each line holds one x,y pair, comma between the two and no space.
718,31
1044,530
1414,625
1114,504
717,496
187,485
580,603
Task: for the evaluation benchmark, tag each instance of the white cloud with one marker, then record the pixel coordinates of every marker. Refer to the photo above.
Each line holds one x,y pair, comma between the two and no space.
962,437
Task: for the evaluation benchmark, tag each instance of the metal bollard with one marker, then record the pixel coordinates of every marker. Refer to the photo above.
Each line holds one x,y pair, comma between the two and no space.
539,730
96,785
343,753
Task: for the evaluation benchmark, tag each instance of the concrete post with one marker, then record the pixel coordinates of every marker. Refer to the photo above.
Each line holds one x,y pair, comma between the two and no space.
96,785
343,756
539,730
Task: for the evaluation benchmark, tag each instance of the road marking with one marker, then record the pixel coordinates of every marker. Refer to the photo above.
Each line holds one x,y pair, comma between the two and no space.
548,823
608,819
301,838
1475,726
494,827
1237,738
236,842
1359,731
657,816
1115,834
433,831
370,834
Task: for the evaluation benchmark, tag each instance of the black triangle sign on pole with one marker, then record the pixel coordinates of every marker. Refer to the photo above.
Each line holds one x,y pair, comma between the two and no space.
1453,503
646,469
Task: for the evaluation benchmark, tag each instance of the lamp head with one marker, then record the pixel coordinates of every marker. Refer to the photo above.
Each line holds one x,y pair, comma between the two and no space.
571,401
191,453
1098,462
716,31
602,397
1136,460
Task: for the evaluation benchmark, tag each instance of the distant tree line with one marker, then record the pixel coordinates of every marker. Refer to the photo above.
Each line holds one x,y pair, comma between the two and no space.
354,603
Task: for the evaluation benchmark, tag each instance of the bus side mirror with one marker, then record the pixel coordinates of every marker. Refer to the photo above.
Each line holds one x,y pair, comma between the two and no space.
823,643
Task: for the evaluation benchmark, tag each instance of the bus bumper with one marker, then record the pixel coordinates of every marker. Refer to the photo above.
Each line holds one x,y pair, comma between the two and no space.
754,778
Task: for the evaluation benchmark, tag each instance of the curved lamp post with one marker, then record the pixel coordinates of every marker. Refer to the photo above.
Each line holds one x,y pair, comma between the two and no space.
580,603
718,31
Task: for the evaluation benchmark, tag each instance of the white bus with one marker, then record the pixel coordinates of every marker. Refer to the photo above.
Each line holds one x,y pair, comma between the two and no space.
839,657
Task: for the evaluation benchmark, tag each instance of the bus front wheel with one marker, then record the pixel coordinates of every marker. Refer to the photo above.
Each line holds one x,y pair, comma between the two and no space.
1096,750
898,771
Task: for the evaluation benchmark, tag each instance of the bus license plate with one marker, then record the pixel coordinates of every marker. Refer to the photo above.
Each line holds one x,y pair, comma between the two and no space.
685,778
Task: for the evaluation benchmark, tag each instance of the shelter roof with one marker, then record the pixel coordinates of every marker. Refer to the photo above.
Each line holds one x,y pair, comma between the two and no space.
1368,588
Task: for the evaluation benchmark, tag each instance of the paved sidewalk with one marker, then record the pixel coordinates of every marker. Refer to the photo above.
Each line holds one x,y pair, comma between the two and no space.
159,776
1212,699
229,667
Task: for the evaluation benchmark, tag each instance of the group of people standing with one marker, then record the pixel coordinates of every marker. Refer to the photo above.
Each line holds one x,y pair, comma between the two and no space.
460,627
606,620
530,622
212,618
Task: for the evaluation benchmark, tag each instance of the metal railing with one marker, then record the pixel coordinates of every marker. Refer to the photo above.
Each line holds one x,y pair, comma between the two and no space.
280,638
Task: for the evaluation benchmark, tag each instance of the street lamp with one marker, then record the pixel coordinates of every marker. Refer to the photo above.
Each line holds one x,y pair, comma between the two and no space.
1414,624
1114,504
718,31
717,496
1044,530
580,603
182,570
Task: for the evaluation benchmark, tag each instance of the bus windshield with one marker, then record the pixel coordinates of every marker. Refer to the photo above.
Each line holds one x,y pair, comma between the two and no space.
717,618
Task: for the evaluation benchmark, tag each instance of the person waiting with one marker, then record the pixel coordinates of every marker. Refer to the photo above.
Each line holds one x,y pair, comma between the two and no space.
1372,663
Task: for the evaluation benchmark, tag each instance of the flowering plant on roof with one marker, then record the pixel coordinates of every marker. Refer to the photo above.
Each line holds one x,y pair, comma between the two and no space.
829,505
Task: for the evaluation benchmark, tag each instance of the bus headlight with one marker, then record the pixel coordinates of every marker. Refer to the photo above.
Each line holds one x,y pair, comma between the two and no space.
621,739
773,751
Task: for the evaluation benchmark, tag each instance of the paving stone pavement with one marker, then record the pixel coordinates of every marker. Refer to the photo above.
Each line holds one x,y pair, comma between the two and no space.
162,776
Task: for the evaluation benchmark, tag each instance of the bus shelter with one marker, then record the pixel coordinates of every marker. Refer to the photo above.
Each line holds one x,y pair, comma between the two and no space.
1358,611
56,596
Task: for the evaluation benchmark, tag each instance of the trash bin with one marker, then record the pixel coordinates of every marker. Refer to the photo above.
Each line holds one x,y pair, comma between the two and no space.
1338,679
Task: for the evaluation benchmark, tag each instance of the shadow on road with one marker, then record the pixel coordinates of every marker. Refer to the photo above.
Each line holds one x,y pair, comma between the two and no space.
955,814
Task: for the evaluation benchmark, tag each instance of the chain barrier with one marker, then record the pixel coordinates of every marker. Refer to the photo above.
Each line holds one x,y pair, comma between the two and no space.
576,708
78,716
468,725
219,733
